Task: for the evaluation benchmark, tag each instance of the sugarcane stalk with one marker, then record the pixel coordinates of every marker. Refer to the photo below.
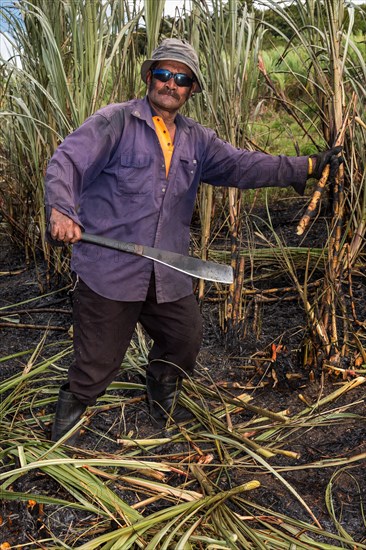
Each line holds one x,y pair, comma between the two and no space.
350,292
360,347
334,264
352,384
238,292
38,310
327,321
235,224
202,479
206,209
319,326
334,333
356,243
35,327
274,290
346,328
311,209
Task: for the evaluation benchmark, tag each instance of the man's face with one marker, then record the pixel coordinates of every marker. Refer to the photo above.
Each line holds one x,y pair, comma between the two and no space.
168,96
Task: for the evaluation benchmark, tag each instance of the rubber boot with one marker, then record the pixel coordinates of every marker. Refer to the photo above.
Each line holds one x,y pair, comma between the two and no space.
162,394
68,412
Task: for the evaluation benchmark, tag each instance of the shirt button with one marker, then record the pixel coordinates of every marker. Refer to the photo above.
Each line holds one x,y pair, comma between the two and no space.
163,189
192,172
137,113
194,161
163,165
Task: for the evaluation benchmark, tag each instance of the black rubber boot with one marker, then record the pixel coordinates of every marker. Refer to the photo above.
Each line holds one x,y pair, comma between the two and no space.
162,394
68,412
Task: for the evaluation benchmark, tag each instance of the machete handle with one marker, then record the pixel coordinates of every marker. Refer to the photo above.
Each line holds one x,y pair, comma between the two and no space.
132,248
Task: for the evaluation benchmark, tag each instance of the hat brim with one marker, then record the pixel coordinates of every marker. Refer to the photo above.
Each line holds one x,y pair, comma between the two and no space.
147,64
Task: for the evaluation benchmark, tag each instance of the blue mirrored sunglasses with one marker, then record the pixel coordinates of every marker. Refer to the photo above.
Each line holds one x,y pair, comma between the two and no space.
181,79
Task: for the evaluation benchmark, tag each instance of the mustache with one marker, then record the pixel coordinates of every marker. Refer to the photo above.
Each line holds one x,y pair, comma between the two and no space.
169,92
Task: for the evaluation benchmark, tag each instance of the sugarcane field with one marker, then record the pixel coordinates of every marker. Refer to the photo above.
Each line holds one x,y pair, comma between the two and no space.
183,274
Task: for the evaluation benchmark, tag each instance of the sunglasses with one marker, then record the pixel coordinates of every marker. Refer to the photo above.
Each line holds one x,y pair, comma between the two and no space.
181,79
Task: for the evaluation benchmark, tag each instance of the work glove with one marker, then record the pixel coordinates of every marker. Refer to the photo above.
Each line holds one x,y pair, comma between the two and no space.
318,162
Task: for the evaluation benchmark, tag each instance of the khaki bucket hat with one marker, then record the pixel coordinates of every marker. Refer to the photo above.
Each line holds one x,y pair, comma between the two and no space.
174,49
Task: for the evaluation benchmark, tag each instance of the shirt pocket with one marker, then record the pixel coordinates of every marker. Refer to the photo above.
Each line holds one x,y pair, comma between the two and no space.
188,169
134,177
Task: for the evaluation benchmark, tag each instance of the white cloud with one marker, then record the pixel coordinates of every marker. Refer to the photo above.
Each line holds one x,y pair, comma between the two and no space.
6,49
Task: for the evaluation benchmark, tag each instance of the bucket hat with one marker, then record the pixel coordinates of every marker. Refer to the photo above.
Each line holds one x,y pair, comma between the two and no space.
174,49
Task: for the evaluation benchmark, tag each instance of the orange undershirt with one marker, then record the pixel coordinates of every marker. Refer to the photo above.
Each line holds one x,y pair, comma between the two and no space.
165,141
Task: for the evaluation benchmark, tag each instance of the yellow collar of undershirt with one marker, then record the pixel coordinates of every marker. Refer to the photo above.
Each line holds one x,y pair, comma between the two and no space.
165,141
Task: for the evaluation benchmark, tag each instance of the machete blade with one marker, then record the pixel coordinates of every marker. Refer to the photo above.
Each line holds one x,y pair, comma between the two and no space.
210,271
201,269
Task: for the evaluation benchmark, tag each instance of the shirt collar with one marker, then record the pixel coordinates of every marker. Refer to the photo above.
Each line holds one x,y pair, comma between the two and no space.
143,110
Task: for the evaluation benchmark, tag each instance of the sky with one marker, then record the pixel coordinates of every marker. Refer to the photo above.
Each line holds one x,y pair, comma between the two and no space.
171,5
5,48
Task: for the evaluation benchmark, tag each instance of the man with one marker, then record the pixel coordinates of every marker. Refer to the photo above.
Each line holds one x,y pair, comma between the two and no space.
131,172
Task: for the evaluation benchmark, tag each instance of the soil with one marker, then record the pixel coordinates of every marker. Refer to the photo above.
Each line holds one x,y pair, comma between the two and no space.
263,358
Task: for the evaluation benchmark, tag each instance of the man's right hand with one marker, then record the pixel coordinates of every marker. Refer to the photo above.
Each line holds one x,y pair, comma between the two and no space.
63,228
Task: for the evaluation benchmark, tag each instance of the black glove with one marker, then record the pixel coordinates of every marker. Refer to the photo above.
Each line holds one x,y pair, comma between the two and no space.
322,159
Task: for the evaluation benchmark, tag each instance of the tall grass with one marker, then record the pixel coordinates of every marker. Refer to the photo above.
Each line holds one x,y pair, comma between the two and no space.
71,58
74,57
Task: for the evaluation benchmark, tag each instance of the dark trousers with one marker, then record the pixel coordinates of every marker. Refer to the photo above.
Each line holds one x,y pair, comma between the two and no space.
103,330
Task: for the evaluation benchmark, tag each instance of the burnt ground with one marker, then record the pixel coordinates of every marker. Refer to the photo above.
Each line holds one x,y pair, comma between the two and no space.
236,364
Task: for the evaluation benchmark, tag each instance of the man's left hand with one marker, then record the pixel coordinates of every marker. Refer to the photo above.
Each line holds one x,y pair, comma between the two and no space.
331,157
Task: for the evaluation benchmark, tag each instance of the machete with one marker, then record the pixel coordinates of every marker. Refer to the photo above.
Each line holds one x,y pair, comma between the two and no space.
195,267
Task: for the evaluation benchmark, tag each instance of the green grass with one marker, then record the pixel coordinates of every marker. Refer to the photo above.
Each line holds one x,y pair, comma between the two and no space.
275,131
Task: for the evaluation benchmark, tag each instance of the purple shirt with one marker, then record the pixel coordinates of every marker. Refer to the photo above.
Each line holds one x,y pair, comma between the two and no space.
109,177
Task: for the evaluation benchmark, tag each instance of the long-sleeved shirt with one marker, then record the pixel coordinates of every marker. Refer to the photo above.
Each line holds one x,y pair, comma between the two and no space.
109,177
